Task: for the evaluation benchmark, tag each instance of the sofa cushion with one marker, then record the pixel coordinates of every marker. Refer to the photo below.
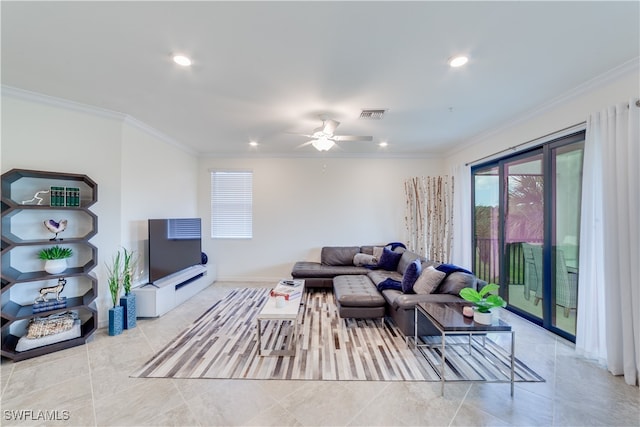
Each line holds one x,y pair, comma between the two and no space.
428,263
377,276
389,260
338,255
455,282
398,300
310,269
377,251
360,260
410,276
407,258
428,281
367,249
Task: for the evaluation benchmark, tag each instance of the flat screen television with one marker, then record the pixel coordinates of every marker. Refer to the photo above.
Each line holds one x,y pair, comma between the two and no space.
174,244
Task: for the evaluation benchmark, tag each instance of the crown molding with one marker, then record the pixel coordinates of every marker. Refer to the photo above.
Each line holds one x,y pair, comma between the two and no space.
155,133
39,98
324,155
632,65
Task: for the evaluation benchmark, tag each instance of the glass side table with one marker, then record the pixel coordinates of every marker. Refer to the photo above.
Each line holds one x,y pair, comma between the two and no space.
449,321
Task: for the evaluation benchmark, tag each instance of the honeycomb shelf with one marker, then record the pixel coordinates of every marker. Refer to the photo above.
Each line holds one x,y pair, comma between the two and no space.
27,199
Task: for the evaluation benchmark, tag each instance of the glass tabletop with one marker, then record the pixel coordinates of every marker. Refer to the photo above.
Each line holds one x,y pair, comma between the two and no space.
449,318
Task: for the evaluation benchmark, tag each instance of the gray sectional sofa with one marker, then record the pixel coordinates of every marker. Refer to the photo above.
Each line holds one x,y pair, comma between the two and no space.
356,287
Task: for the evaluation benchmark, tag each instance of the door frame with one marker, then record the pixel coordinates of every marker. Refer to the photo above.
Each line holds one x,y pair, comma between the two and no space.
548,312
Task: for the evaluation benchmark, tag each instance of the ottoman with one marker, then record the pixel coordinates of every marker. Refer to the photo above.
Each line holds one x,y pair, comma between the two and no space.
357,297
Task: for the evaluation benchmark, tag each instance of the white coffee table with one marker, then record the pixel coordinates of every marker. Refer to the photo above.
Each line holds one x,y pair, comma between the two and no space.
287,314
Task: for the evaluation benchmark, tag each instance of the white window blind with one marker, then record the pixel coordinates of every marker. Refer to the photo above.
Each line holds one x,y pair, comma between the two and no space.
231,204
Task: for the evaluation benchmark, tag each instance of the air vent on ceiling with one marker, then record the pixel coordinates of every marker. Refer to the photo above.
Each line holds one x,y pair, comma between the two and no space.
372,114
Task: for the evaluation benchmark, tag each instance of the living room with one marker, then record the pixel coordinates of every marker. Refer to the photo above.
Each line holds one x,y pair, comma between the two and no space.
303,200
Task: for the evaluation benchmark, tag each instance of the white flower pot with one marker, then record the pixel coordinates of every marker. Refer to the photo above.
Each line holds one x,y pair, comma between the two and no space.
55,266
482,318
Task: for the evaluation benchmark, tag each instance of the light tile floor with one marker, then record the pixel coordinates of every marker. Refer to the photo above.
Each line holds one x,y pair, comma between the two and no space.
90,386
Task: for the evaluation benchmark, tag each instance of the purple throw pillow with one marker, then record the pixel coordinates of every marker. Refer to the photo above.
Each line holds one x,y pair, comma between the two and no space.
410,276
389,260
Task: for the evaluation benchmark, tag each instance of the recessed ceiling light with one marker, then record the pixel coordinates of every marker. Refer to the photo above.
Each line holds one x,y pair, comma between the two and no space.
182,60
458,61
253,143
383,144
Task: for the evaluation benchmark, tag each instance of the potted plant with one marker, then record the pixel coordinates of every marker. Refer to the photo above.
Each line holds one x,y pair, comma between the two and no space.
55,258
483,301
114,279
128,301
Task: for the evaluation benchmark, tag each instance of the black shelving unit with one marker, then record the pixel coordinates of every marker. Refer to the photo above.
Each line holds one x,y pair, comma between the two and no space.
18,185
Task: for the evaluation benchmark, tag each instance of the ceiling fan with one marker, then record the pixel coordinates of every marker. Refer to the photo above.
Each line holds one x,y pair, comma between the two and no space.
323,138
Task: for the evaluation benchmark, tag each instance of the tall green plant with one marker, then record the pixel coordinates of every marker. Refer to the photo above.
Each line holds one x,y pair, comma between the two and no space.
128,264
114,278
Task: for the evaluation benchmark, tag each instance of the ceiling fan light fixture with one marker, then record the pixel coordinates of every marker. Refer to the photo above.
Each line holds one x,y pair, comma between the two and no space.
458,61
323,144
182,60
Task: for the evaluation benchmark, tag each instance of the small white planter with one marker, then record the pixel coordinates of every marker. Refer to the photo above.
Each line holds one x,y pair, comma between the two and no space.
55,266
482,318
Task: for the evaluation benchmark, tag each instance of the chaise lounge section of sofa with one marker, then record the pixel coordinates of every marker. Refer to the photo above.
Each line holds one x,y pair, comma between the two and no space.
360,291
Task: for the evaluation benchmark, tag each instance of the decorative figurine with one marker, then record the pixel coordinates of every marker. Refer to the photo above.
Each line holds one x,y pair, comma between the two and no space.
57,290
55,227
35,197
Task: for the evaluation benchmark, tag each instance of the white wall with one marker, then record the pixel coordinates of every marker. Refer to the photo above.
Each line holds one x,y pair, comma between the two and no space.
594,96
159,180
47,137
302,204
135,170
568,110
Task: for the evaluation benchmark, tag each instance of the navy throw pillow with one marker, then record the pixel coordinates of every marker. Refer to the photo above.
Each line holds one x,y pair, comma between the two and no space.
389,260
451,268
411,274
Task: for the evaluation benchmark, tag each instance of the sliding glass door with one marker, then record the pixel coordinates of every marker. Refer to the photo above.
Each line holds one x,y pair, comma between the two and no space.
526,227
524,231
566,172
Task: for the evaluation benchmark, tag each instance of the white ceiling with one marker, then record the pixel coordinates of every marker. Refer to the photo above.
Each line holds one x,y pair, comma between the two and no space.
265,69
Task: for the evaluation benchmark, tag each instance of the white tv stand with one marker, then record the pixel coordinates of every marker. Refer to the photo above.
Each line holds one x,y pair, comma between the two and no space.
155,299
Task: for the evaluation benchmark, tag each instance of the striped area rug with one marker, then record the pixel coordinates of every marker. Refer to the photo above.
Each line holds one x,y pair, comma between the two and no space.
222,343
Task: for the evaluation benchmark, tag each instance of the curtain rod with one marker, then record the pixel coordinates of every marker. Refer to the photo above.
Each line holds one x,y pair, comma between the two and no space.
538,139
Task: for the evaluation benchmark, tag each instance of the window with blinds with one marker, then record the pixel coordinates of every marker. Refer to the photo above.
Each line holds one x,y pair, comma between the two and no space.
231,204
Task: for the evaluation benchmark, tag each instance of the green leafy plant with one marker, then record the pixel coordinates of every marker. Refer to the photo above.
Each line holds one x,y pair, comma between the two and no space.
114,278
55,252
128,264
483,300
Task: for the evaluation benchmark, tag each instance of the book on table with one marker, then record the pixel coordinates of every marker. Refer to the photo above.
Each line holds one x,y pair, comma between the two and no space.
291,282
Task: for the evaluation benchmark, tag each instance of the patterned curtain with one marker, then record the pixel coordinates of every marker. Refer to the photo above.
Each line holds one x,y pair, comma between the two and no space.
429,216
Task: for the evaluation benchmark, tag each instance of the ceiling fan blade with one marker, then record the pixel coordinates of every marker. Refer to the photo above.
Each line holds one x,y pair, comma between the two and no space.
299,134
351,138
306,143
330,126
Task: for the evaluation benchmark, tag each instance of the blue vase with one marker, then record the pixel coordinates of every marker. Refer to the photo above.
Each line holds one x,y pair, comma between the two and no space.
116,320
128,302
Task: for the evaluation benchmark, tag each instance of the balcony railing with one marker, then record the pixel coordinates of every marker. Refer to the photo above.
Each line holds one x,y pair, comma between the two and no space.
487,266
